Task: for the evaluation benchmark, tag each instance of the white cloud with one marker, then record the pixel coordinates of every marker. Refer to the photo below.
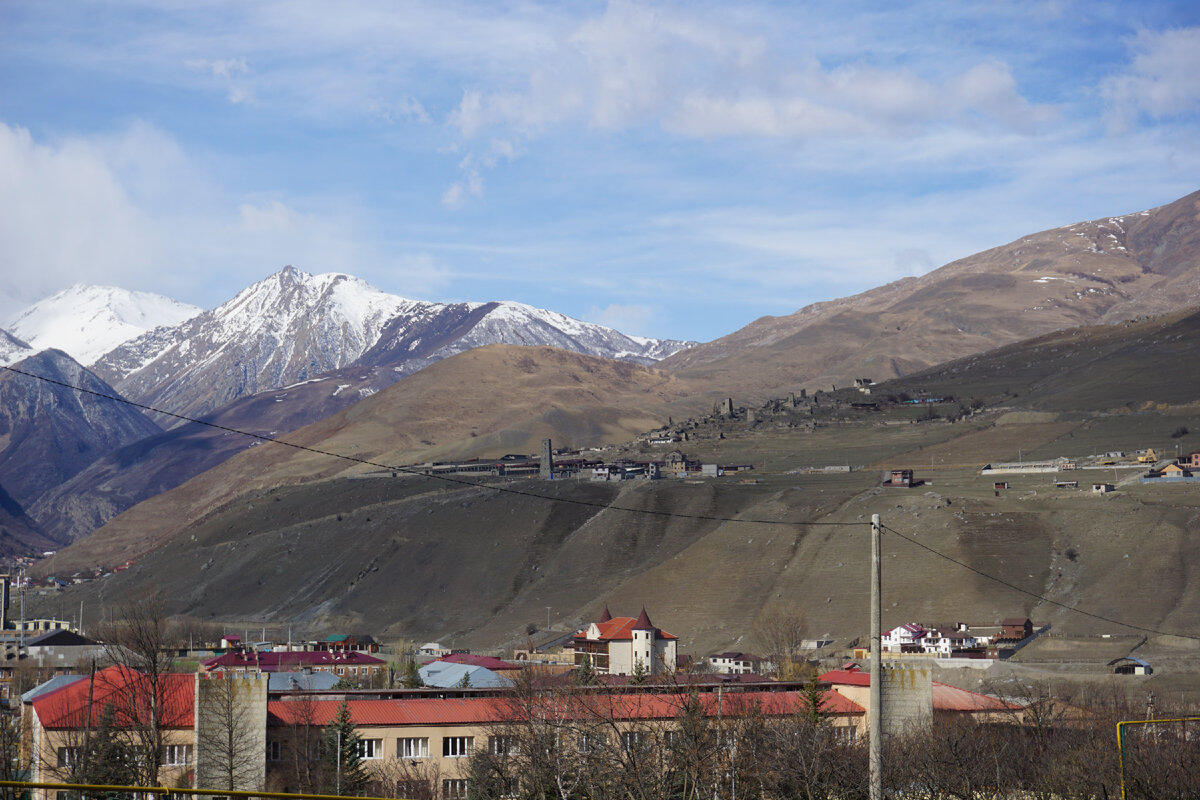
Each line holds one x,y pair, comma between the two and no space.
403,108
220,68
272,216
1162,79
65,213
635,320
131,208
227,71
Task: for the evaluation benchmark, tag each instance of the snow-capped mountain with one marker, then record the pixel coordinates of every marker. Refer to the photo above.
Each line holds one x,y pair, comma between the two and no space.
293,326
88,321
281,330
13,349
412,343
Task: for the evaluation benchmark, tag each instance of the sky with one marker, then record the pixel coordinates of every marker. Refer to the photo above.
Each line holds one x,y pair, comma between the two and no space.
674,170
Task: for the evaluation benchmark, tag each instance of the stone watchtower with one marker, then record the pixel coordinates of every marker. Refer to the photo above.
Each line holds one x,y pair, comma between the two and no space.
230,728
546,465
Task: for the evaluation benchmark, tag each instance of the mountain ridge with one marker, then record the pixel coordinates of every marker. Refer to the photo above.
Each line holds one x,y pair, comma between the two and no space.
1099,271
293,326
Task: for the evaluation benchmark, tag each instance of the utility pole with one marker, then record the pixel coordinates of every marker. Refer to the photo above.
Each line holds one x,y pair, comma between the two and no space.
875,704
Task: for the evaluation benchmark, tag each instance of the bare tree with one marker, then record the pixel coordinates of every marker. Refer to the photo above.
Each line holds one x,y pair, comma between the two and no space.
230,728
139,643
778,631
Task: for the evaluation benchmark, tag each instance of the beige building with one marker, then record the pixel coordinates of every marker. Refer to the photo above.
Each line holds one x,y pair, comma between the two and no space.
55,724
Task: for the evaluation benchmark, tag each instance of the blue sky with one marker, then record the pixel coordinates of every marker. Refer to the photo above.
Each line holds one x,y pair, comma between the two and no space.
671,169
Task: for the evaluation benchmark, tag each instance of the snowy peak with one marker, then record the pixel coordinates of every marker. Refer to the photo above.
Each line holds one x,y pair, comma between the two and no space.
292,326
342,306
88,321
13,349
516,323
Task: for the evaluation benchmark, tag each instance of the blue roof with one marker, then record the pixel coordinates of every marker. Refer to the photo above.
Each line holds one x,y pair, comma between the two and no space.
310,681
447,675
57,682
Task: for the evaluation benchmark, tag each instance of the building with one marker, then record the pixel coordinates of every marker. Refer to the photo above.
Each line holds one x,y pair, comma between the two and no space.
731,663
1015,629
345,664
906,638
449,674
1131,665
625,645
55,721
902,478
341,642
941,699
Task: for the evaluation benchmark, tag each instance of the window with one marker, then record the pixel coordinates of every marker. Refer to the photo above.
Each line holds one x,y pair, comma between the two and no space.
846,735
454,788
412,748
590,742
457,746
68,756
274,751
632,740
502,745
370,748
412,788
177,755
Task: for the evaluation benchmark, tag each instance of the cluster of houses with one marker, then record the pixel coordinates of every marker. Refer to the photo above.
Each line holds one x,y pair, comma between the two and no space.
575,464
1181,470
958,640
428,733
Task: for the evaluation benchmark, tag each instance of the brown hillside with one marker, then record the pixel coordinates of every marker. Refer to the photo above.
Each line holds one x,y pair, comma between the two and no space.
1091,272
484,402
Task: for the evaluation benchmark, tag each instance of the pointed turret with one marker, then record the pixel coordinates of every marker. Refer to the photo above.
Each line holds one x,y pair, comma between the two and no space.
643,622
606,616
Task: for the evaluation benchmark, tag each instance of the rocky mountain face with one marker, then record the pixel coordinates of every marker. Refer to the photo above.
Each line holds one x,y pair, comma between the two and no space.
88,321
294,326
13,349
49,432
19,534
1101,271
158,463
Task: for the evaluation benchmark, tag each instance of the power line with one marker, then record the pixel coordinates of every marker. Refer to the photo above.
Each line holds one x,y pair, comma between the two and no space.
410,471
1035,595
586,503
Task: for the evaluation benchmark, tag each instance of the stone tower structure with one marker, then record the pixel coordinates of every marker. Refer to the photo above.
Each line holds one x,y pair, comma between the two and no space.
230,727
546,465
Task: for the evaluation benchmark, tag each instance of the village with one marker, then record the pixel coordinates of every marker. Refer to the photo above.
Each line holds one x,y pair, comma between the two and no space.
420,718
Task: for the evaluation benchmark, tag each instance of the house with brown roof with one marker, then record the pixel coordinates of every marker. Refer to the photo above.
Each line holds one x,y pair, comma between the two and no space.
618,645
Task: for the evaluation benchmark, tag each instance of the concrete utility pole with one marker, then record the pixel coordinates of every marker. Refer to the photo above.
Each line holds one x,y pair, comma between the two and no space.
875,743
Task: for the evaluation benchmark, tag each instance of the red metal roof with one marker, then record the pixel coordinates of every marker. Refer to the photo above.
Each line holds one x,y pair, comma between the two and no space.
126,690
481,710
951,698
945,697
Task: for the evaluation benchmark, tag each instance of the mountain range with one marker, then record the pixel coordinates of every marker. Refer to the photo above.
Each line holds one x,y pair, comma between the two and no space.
386,381
287,351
